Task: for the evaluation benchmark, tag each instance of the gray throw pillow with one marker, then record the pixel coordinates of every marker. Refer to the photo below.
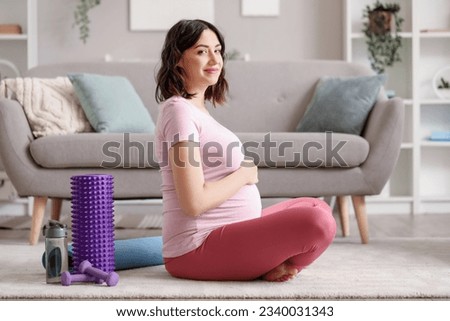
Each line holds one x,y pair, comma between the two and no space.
341,104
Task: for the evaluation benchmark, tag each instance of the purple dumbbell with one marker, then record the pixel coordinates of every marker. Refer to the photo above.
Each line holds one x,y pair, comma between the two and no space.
68,279
111,278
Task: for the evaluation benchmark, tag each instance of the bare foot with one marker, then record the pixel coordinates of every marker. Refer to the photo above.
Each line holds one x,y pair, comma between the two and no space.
281,273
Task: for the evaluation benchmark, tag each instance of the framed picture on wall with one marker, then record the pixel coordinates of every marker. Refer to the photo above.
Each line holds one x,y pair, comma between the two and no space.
260,8
160,15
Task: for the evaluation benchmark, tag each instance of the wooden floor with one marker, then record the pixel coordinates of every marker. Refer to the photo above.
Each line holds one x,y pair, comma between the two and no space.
380,226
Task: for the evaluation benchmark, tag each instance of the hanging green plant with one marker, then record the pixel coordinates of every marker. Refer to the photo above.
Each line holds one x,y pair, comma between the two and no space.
383,43
81,16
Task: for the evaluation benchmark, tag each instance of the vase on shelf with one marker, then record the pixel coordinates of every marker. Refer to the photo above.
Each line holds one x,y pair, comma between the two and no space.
444,93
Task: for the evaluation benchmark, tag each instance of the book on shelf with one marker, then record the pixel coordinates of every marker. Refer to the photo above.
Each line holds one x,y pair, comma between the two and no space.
10,29
443,136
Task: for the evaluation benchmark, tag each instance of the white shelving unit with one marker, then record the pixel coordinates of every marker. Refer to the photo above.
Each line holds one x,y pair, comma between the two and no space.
421,181
18,49
18,52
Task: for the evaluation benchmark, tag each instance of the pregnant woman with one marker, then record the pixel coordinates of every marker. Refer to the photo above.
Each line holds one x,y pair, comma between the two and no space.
213,224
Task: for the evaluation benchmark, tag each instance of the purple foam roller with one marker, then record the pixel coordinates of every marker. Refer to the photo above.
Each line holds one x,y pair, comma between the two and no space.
93,220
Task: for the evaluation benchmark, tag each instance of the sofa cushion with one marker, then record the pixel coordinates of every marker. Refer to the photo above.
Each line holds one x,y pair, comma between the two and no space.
341,104
111,104
305,149
93,150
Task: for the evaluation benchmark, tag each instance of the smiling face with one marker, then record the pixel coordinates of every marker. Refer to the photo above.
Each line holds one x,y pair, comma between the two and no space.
202,63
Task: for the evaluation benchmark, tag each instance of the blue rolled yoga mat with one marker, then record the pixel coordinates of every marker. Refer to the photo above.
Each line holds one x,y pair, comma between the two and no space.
138,252
133,253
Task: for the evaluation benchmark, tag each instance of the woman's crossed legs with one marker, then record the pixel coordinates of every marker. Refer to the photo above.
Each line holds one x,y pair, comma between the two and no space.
287,237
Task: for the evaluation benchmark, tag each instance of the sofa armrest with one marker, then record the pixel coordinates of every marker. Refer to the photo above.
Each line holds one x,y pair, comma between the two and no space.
15,138
383,131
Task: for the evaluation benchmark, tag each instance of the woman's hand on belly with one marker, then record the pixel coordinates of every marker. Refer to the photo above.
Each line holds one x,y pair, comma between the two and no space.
250,171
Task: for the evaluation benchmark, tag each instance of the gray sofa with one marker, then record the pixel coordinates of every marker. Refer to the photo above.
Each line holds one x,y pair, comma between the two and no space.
266,102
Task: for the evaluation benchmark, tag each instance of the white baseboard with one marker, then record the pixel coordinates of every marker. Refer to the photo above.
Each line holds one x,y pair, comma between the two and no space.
21,207
14,208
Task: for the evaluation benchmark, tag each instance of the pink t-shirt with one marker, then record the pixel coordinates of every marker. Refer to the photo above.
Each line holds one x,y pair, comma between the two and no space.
221,153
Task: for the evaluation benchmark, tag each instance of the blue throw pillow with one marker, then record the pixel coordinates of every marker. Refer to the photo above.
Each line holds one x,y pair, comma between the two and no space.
341,104
111,104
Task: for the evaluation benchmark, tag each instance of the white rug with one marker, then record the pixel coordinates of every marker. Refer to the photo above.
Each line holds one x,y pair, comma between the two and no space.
393,268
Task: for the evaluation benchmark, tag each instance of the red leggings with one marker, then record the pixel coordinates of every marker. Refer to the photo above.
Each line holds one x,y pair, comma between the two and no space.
295,231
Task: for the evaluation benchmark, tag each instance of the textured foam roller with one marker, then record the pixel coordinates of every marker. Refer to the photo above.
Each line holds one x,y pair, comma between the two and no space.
93,220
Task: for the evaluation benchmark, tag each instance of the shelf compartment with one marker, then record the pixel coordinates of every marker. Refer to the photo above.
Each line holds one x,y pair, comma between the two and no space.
14,12
399,77
433,118
408,126
436,17
434,55
435,173
401,181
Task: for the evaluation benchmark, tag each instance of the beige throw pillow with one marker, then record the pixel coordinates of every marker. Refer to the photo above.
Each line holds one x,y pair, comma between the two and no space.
50,105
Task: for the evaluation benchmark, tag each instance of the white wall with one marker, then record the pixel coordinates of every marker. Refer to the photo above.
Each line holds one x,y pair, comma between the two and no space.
305,29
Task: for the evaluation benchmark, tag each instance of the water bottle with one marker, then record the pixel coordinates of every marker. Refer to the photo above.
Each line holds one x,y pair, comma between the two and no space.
56,253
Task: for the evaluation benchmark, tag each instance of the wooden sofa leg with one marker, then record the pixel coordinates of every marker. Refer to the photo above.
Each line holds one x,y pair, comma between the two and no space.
359,205
56,208
37,218
343,214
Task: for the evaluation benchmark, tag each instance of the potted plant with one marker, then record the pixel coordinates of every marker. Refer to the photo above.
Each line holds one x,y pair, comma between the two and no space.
381,29
444,88
82,18
443,84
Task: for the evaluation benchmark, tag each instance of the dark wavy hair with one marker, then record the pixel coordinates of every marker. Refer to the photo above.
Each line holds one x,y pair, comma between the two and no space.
170,78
